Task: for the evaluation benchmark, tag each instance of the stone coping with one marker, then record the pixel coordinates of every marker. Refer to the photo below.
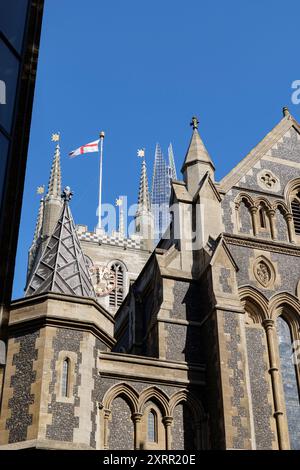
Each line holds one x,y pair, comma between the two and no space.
45,444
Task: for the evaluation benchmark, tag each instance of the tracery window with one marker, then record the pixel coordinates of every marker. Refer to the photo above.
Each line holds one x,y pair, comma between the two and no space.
116,296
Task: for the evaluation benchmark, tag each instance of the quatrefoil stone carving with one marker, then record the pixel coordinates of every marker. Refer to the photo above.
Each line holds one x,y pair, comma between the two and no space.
267,180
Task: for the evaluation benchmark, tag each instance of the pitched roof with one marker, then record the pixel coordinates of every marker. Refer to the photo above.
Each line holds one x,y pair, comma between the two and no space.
180,192
206,180
234,176
61,267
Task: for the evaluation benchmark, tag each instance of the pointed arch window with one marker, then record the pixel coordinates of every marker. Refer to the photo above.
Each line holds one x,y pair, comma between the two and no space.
65,379
244,221
289,381
116,296
152,426
295,205
262,217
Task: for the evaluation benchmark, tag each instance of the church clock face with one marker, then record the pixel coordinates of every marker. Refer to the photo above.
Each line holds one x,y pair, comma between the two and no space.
104,280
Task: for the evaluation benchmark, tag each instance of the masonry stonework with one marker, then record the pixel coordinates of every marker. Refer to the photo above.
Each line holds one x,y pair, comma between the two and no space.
195,348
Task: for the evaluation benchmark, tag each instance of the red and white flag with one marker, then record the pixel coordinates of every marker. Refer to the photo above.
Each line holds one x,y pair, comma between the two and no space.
91,147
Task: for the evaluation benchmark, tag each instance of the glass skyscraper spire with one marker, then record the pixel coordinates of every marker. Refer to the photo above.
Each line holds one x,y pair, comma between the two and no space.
163,174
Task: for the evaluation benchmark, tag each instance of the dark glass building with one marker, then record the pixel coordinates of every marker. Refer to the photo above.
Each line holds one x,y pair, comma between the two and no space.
20,27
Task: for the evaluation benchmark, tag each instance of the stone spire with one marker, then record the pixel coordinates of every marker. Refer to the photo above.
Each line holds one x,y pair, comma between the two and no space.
54,187
53,202
143,217
144,196
197,161
61,267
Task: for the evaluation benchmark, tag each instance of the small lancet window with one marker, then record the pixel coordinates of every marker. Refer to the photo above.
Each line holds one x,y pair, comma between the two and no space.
262,218
65,377
152,426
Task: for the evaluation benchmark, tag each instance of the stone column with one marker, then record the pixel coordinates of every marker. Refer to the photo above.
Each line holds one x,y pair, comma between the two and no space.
167,421
271,215
290,226
105,428
253,211
283,437
136,418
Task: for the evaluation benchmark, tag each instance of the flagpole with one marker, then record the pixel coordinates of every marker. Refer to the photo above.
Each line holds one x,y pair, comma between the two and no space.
102,135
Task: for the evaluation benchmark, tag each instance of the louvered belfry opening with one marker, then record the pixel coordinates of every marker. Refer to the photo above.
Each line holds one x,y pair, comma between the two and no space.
116,296
296,214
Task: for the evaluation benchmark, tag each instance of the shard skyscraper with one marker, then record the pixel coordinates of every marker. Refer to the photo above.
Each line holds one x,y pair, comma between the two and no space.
163,173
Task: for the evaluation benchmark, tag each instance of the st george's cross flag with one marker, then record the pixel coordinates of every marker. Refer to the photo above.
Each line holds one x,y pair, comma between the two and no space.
91,147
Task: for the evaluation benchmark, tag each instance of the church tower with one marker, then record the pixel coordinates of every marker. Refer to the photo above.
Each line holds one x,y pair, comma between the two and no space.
55,336
196,349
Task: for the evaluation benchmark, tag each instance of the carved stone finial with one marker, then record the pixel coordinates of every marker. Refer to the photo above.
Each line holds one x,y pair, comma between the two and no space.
194,123
286,111
67,194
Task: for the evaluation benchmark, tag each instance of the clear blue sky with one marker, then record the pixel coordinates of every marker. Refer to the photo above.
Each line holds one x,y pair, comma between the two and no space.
139,70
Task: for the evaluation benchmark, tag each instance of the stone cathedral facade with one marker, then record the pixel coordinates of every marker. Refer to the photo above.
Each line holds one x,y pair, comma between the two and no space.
189,345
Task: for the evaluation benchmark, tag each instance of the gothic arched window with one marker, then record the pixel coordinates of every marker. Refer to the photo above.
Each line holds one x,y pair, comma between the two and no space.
116,296
295,205
65,378
262,217
244,221
289,381
152,426
263,221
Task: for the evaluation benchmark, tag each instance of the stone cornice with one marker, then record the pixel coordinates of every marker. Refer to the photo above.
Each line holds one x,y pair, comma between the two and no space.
61,311
44,320
143,360
262,244
36,299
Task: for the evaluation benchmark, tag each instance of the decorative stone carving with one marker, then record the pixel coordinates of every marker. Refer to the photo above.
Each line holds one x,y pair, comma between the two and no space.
264,272
268,181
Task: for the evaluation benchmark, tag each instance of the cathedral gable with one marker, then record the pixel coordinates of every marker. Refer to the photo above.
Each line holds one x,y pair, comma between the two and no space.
271,164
